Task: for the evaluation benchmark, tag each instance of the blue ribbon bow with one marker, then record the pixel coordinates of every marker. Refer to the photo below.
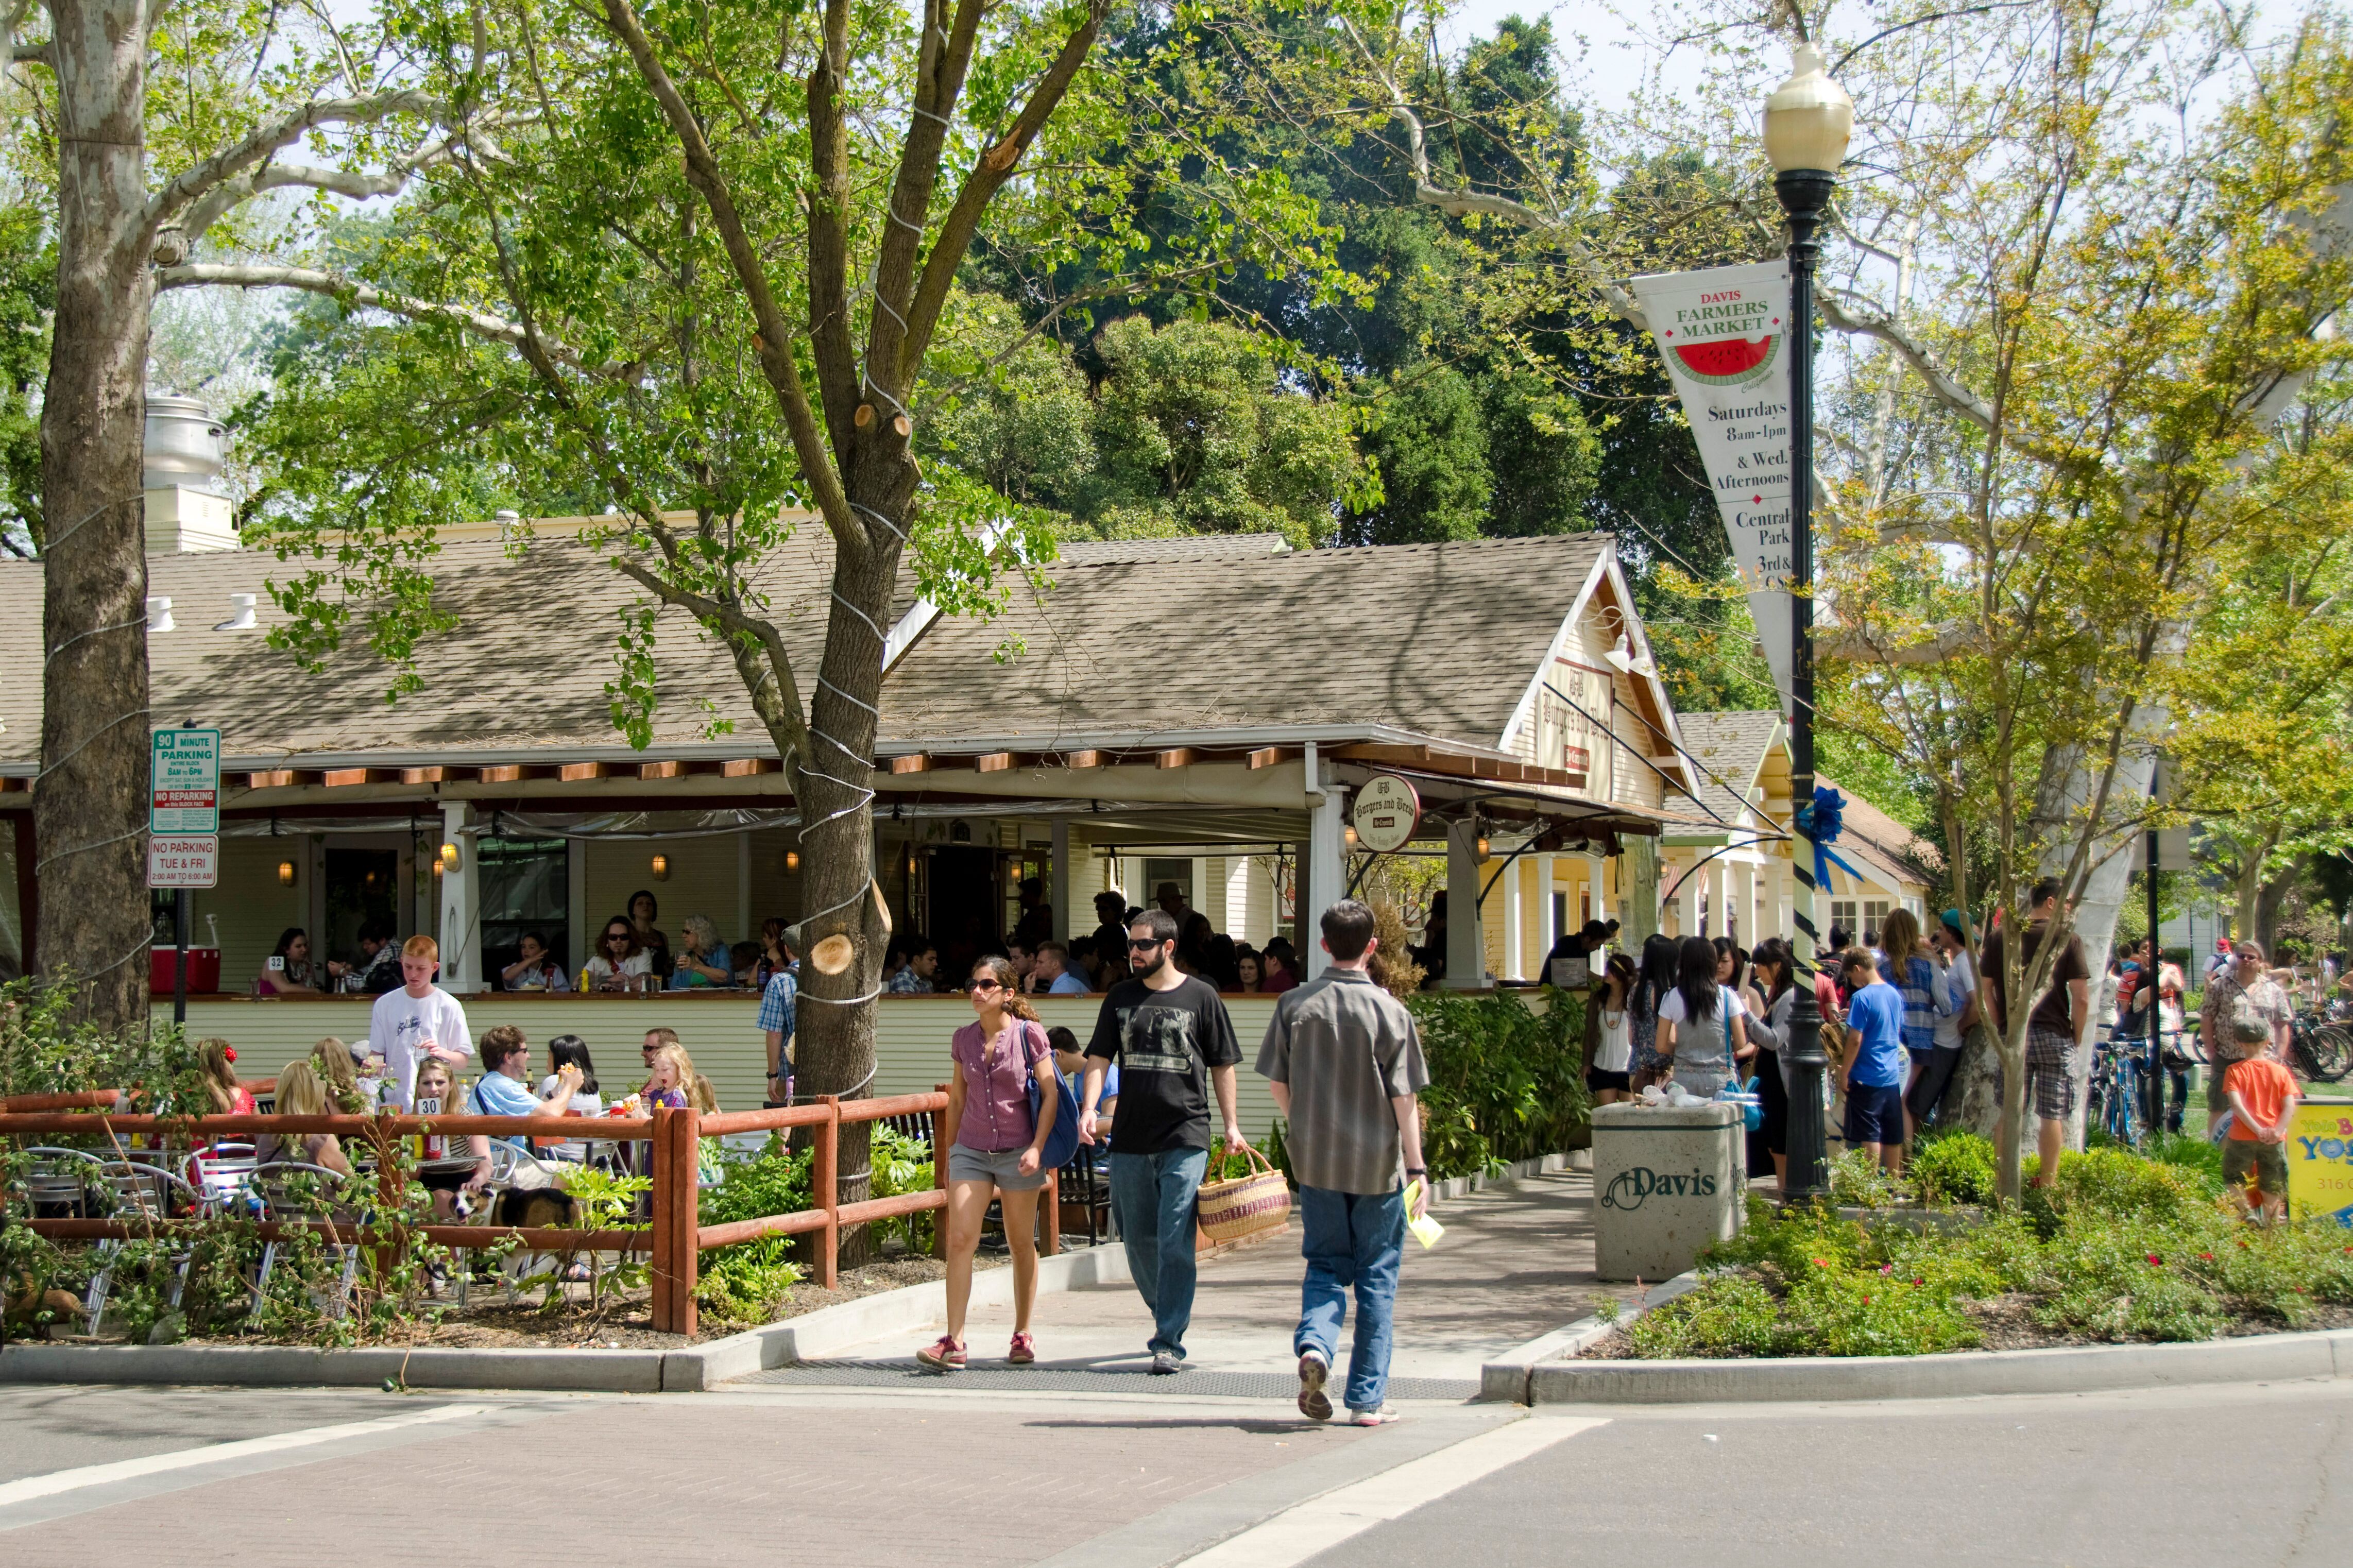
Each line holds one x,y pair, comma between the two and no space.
1820,821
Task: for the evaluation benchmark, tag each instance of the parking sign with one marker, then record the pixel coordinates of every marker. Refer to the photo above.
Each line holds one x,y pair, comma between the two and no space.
185,782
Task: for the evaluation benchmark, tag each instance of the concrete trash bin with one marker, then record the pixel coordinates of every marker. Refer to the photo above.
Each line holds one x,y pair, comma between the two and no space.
1666,1182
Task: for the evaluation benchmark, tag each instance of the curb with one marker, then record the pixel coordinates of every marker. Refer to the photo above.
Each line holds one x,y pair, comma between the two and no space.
1505,1379
823,1334
807,1338
2258,1358
293,1367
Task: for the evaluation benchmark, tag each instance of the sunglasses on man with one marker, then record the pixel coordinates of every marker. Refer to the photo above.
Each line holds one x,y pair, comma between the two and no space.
1140,943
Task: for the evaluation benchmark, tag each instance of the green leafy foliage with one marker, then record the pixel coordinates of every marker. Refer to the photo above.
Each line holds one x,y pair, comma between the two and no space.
2122,1248
1507,1083
1953,1166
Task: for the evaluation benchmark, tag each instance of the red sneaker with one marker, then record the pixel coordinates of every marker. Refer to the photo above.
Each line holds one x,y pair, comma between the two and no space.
944,1355
1024,1351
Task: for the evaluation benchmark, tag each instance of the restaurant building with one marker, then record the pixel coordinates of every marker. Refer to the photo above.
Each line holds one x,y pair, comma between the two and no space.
1191,710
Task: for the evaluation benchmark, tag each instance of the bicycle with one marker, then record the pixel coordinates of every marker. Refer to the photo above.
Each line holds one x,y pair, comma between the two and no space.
2112,1102
2323,1047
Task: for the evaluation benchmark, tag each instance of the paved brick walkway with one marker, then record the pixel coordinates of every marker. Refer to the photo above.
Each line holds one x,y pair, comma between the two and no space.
1516,1262
713,1481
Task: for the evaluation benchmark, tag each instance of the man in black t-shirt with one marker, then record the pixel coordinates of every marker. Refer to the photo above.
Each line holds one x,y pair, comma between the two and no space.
1174,1043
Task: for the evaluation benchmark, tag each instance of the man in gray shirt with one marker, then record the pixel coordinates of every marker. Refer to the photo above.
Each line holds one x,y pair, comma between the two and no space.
1344,1062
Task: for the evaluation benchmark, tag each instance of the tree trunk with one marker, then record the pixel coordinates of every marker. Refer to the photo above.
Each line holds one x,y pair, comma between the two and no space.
88,803
2270,897
836,1015
2011,1147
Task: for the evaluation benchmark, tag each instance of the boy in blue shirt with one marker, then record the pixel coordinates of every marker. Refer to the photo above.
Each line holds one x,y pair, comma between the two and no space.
1874,1066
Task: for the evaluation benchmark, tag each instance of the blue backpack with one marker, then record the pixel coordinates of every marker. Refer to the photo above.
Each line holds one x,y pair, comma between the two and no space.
1063,1140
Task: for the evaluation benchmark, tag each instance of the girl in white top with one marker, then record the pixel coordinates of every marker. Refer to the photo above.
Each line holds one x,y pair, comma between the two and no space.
1613,1049
1699,1019
619,963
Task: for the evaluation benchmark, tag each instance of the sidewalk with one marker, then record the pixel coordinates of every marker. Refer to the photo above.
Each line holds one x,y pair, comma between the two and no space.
1516,1262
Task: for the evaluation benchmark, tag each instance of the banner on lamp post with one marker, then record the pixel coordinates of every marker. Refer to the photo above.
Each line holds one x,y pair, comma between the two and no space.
1724,334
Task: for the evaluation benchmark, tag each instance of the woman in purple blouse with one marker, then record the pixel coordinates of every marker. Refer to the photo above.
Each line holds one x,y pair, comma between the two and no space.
997,1150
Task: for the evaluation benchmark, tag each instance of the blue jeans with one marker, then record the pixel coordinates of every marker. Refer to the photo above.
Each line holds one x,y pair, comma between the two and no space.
1354,1240
1152,1198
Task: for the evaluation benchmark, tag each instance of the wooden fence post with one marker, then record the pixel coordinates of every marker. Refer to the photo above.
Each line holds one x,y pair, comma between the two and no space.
686,1213
388,1203
943,1134
657,1169
825,1185
1053,1242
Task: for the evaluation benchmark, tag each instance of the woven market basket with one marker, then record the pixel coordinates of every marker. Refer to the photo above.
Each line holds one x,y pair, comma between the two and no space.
1245,1205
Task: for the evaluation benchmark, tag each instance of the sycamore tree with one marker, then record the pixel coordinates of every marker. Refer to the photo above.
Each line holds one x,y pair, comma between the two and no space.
701,282
2084,260
138,135
2123,234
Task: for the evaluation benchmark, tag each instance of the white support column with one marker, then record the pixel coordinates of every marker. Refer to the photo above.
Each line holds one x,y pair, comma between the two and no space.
1514,965
461,904
1326,875
1719,896
1466,946
1546,926
575,904
1693,880
1059,881
1597,884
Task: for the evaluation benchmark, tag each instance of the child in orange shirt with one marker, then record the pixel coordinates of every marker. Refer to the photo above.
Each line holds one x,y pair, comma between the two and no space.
2262,1095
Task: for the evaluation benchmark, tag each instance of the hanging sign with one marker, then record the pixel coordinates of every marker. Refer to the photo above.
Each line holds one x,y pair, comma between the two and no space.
1724,334
185,782
1388,809
183,860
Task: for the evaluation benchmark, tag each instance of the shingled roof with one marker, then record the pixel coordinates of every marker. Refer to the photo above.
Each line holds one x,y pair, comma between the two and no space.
1136,636
1730,745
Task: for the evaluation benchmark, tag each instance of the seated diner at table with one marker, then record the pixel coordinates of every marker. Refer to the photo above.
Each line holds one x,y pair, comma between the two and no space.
300,1092
503,1090
703,961
621,961
536,969
289,972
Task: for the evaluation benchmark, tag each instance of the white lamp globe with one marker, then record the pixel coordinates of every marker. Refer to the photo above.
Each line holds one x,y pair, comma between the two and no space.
1809,117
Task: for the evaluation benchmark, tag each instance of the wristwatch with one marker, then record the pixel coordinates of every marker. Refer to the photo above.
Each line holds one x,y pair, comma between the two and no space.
1416,1169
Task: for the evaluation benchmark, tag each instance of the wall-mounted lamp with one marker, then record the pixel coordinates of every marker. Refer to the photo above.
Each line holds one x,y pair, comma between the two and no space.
436,866
792,859
286,873
1484,848
661,868
449,857
1348,833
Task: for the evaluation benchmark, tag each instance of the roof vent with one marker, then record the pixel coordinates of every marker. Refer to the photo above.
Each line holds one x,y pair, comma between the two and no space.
241,614
185,444
159,615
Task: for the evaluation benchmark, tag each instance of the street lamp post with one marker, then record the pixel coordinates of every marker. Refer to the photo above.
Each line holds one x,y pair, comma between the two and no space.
1806,122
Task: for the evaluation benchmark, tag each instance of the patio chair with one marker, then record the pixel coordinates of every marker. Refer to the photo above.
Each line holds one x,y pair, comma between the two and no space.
270,1184
128,1190
223,1172
1086,1183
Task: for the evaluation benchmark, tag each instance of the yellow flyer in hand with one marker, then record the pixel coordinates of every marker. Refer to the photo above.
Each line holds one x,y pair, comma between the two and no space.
1423,1228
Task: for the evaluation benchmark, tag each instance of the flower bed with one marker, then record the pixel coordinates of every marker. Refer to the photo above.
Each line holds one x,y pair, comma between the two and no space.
2123,1248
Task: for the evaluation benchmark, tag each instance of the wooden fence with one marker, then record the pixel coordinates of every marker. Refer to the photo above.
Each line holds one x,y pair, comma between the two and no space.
676,1236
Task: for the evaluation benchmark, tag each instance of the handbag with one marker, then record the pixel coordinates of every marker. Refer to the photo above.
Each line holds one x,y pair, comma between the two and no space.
1062,1139
1245,1205
1752,1108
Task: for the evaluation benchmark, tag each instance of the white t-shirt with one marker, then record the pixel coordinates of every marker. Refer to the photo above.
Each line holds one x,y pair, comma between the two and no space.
1710,1051
400,1025
1615,1052
1960,984
601,968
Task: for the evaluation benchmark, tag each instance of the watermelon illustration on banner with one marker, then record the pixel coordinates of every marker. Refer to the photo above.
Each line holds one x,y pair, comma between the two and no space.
1723,333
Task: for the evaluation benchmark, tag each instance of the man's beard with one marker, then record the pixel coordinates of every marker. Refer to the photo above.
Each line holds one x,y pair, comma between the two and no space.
1147,971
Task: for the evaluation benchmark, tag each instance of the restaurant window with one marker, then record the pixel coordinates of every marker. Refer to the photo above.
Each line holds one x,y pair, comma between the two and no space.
1842,913
526,886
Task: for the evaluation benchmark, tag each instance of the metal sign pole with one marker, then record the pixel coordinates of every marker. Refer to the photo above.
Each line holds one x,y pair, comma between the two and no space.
180,955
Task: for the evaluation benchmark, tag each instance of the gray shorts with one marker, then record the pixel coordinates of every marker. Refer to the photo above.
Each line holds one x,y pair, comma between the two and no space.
1003,1167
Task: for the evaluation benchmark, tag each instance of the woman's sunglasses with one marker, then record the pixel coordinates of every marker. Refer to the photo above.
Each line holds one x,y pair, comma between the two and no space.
977,987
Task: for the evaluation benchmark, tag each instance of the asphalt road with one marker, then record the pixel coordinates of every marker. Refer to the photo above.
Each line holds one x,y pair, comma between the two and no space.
909,1478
